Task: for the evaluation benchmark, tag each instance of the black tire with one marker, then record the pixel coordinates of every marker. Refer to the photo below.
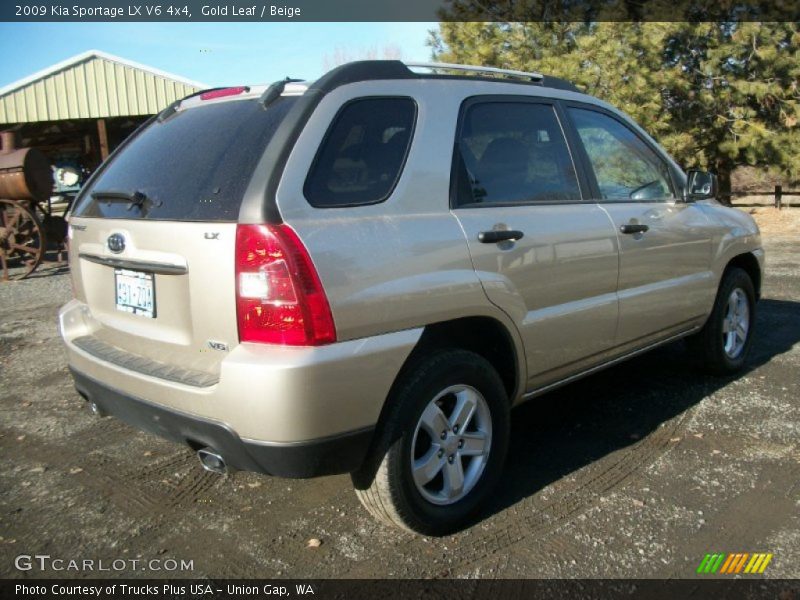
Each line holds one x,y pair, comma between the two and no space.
387,489
708,345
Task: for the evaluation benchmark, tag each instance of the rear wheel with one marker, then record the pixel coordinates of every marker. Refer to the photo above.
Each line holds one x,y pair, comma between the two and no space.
442,447
724,342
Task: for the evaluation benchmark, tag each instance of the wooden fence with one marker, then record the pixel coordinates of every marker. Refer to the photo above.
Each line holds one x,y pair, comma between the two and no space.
778,193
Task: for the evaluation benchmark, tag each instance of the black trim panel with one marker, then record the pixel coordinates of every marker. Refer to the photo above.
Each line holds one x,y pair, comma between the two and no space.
277,154
324,456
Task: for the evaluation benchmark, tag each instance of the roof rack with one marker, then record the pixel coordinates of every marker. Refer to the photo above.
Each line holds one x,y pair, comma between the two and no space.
368,70
532,76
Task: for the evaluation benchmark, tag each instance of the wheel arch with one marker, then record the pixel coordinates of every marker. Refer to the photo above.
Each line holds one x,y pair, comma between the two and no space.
487,336
750,265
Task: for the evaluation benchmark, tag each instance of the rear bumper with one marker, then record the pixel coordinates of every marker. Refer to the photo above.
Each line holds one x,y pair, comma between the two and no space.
341,453
267,395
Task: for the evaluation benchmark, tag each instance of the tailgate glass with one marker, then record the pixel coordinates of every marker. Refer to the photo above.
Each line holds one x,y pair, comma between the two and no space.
192,166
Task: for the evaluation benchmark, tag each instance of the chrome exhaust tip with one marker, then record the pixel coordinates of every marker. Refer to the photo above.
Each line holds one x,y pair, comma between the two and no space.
96,410
212,461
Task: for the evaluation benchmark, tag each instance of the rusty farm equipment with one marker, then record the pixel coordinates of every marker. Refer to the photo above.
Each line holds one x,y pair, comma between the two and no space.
27,226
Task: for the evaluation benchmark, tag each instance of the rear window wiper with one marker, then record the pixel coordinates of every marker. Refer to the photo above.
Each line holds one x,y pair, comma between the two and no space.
135,198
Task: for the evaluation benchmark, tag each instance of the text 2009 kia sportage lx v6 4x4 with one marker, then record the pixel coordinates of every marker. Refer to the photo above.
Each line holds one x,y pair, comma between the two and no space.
365,273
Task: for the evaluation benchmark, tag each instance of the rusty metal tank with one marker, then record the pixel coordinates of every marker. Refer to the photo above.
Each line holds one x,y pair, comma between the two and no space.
25,173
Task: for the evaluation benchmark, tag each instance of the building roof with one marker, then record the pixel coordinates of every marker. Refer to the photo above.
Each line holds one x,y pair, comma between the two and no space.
92,85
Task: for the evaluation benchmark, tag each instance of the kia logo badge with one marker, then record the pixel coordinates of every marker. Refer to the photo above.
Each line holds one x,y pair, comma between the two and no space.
116,243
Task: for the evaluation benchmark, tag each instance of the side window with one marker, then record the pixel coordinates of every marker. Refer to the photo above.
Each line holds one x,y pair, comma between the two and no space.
360,159
624,166
511,152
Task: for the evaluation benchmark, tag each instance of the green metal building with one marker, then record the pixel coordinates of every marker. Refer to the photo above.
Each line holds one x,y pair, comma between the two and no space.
78,110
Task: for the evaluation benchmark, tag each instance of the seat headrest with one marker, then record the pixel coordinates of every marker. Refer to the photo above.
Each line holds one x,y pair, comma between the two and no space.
506,154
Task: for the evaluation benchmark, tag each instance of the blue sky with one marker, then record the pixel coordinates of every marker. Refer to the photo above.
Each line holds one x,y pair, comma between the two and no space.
212,53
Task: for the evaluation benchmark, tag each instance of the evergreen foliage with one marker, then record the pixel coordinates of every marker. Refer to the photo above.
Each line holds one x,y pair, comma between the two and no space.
716,95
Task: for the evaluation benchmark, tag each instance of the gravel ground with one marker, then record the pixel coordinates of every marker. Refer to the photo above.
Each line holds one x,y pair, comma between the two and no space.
635,472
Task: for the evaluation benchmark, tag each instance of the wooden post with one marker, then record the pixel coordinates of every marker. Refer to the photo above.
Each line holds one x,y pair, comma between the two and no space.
778,199
102,135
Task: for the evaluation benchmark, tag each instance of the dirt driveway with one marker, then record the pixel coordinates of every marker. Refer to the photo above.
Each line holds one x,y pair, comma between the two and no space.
638,471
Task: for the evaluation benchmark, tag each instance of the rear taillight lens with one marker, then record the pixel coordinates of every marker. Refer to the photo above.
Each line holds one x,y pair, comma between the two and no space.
279,297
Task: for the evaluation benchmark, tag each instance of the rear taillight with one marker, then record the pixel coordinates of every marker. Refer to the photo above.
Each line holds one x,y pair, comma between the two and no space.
279,297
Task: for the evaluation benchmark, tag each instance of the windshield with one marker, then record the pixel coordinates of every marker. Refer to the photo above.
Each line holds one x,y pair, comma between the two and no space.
193,166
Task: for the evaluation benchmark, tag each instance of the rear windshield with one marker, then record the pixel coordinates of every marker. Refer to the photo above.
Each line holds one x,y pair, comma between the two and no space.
193,166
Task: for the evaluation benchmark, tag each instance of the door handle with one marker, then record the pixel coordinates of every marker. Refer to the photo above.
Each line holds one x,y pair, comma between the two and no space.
499,235
634,228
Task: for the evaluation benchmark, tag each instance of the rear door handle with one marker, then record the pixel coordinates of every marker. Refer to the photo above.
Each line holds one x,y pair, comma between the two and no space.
634,228
499,235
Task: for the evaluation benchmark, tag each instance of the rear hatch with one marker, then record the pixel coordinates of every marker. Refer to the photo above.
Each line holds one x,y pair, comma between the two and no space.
153,236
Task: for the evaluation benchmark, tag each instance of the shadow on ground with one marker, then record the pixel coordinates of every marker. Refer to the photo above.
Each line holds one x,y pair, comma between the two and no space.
54,263
574,426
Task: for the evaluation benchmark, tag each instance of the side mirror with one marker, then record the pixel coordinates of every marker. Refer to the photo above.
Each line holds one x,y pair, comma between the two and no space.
700,185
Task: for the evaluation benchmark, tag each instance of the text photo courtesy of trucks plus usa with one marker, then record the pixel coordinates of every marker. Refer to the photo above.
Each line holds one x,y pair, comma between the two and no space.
298,305
174,589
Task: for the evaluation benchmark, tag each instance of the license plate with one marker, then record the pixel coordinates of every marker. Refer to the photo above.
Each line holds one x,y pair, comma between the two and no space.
136,292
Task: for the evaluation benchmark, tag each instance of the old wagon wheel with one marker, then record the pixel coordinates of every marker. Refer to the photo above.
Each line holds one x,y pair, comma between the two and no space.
22,240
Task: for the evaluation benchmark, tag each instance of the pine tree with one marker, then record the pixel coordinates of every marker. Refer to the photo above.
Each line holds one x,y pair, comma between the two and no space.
716,95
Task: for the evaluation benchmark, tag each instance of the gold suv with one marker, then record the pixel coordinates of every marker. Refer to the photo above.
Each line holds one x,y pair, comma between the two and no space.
365,273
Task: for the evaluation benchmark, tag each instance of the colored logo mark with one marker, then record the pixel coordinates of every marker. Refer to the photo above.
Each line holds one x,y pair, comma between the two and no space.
730,564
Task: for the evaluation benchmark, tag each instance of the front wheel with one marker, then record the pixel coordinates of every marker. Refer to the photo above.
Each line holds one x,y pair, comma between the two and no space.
724,342
443,445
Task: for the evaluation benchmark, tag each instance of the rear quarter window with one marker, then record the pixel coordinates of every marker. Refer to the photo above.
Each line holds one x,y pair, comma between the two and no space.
193,166
363,153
